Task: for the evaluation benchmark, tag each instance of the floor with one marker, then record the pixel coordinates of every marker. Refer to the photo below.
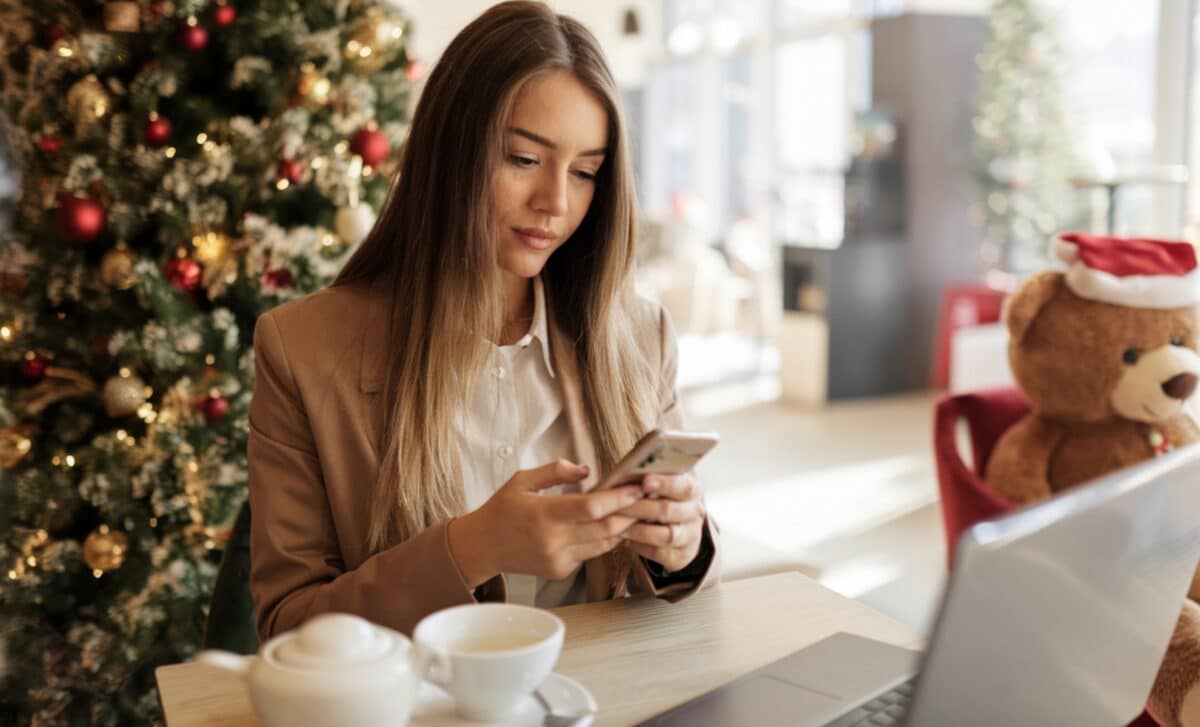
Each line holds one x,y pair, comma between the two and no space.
844,493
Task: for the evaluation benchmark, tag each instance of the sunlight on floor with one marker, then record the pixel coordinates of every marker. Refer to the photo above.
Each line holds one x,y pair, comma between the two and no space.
860,576
845,494
798,511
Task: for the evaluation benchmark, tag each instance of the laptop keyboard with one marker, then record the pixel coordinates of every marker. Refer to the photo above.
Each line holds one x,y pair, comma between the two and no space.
886,709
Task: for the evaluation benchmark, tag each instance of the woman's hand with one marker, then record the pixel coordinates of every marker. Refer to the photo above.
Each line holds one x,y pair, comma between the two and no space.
672,526
519,531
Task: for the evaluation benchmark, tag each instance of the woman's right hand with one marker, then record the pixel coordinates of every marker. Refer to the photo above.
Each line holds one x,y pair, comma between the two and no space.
518,530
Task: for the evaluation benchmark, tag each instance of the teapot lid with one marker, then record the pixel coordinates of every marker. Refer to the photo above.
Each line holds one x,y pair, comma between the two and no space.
334,640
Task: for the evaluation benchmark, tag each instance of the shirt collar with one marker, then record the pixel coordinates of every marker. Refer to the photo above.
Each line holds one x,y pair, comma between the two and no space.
539,326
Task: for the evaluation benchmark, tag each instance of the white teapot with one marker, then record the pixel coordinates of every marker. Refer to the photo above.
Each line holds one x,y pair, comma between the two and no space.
336,669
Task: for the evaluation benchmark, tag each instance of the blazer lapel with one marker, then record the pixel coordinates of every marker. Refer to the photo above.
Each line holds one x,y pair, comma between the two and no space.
568,375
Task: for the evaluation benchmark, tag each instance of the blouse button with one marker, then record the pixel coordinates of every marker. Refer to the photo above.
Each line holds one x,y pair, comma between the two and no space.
504,452
498,372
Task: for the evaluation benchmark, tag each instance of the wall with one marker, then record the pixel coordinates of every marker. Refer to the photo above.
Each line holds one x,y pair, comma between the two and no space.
437,21
953,7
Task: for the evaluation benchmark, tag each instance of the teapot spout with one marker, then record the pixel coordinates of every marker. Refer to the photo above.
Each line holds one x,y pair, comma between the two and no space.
226,660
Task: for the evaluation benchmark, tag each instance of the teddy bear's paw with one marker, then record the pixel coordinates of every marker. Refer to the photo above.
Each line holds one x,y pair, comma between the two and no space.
1189,713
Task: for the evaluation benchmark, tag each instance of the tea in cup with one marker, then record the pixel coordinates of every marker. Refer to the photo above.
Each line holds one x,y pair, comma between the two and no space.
489,656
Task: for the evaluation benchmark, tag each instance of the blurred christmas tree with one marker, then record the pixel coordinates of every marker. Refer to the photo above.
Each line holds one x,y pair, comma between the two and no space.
185,166
1022,137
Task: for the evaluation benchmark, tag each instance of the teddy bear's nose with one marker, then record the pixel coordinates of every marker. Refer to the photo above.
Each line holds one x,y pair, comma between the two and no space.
1180,386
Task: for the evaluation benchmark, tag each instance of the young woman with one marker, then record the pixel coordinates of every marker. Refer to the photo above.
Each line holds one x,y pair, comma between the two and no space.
422,432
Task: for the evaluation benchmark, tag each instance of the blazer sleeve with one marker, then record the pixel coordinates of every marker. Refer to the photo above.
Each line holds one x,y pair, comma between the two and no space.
707,565
296,566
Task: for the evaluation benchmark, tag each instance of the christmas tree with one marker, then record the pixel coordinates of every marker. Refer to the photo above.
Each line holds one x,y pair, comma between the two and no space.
1022,137
184,166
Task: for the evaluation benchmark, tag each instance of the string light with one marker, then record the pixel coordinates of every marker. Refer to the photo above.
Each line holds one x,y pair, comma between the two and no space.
146,413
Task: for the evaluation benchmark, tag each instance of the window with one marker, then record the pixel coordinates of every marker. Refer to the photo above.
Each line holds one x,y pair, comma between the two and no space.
811,120
1110,86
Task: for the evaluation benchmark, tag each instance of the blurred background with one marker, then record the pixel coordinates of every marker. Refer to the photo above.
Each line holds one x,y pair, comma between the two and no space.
837,194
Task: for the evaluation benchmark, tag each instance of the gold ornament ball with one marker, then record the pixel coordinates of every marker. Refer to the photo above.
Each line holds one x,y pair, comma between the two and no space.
332,246
116,268
122,16
88,102
210,247
15,444
104,549
372,41
123,395
313,87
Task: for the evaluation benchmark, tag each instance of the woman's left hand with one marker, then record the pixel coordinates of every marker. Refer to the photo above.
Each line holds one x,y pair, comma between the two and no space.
671,517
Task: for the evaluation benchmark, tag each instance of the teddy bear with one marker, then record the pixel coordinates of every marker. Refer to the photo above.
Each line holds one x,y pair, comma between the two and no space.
1106,352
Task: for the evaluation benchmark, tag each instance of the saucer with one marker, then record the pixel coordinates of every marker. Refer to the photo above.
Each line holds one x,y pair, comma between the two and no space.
435,708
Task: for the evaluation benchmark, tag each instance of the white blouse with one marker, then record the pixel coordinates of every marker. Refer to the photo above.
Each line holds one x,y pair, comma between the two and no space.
516,421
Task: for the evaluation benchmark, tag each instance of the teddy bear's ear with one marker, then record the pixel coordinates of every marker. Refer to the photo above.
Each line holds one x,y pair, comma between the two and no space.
1022,306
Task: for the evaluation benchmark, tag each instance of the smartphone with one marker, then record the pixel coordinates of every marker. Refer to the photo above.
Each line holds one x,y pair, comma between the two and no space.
660,452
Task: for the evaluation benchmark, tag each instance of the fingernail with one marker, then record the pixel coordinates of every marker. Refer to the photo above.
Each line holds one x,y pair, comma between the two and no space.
652,483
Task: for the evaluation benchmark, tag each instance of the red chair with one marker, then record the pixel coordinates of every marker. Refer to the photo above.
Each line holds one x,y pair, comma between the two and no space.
965,496
965,304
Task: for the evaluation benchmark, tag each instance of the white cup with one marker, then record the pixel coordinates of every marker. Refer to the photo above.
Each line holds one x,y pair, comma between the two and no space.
489,656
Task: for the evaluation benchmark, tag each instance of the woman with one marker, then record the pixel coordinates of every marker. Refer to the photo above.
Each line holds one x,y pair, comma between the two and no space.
421,430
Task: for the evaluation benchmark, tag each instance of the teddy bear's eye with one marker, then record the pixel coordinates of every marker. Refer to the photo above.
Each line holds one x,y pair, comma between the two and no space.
1177,341
1131,355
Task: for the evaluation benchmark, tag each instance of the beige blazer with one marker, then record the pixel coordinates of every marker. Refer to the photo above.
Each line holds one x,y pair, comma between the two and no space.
316,420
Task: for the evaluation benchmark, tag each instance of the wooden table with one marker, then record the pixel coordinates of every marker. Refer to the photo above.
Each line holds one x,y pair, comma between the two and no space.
637,656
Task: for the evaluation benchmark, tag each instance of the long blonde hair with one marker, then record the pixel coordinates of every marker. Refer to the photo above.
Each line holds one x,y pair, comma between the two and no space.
434,250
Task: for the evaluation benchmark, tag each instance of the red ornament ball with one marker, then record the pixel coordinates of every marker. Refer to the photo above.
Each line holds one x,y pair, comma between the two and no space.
49,144
371,145
33,369
79,219
278,278
215,408
414,71
183,273
223,15
192,38
13,284
290,169
158,131
53,34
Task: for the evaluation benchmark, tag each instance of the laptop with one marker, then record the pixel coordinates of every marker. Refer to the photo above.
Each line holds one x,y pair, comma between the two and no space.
1059,613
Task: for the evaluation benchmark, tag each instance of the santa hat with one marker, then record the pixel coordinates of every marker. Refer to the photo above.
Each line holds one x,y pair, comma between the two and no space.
1130,271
